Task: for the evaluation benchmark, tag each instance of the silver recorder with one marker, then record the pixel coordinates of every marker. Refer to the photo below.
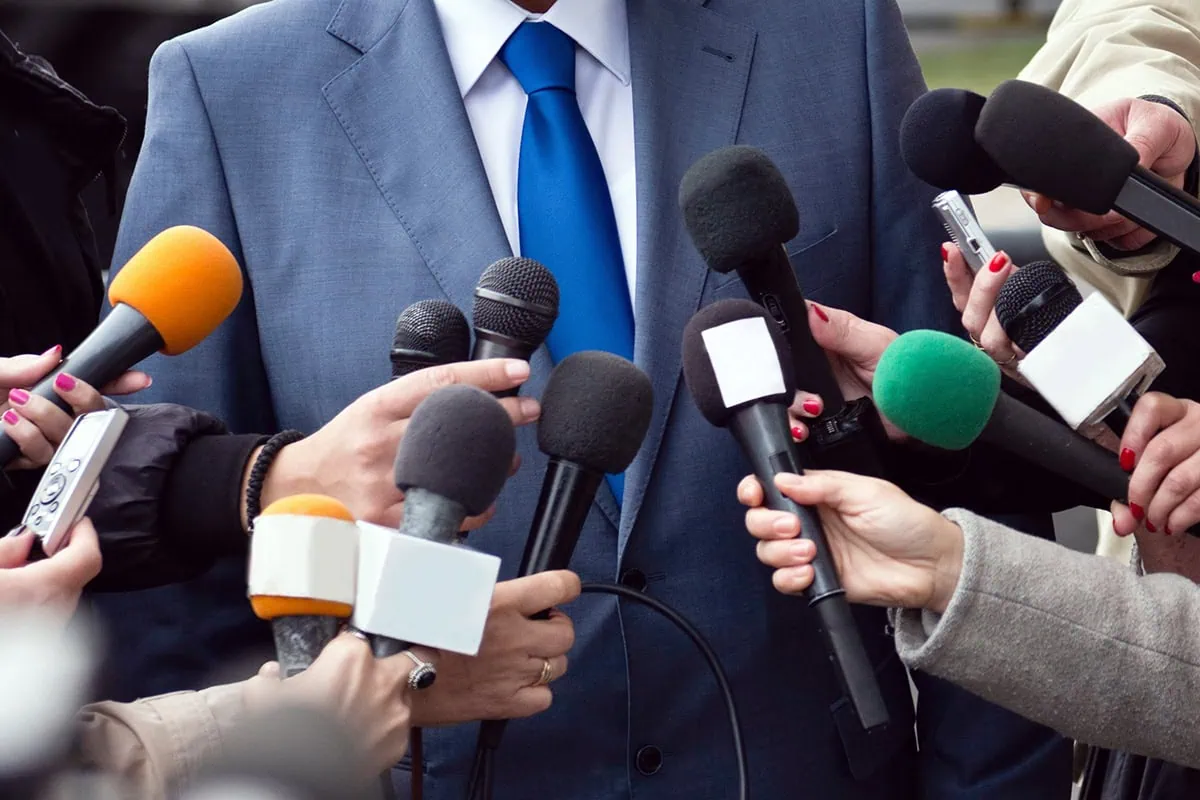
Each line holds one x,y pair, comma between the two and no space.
72,477
964,229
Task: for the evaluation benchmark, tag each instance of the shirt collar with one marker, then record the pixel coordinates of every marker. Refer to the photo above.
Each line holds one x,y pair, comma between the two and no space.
475,30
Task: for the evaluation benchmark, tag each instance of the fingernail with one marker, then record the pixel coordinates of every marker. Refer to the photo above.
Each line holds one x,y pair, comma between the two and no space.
18,396
945,253
11,417
1138,512
1128,459
787,479
785,525
998,262
812,406
802,548
1150,527
64,382
1167,530
517,370
821,313
530,408
56,349
798,433
1196,277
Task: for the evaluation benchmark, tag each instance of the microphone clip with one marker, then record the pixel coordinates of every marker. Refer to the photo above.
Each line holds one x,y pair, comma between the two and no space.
847,440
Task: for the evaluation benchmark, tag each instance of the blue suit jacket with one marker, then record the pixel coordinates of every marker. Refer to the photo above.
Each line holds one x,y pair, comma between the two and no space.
325,142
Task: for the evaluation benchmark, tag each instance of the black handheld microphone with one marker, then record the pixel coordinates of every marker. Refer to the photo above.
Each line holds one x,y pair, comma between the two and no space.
736,366
937,143
1050,144
516,305
429,333
740,212
596,409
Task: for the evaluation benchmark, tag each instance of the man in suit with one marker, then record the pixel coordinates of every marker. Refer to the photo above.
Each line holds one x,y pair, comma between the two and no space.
360,155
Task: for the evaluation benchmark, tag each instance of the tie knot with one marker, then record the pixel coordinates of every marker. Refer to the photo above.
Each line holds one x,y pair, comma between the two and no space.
540,56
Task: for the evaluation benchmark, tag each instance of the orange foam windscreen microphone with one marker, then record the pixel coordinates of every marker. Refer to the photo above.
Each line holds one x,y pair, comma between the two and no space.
172,294
303,574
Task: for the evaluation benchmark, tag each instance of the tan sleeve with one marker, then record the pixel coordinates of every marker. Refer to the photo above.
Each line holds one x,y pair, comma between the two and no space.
157,744
1102,50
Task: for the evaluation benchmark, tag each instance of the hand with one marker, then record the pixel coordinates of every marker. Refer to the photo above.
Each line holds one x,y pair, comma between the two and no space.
54,583
1166,145
853,346
890,550
36,424
369,695
975,298
1161,446
501,681
352,457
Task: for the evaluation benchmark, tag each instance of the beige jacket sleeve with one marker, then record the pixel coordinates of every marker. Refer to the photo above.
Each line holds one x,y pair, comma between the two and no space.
1103,50
1072,641
157,744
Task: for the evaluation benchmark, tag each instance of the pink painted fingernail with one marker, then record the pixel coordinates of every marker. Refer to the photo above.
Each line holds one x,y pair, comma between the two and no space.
18,396
812,406
11,417
1196,277
64,382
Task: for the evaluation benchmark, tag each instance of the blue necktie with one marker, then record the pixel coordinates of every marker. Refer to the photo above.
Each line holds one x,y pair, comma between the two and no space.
566,214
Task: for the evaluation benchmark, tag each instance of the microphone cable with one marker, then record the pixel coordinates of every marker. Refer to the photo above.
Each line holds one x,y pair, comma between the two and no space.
482,774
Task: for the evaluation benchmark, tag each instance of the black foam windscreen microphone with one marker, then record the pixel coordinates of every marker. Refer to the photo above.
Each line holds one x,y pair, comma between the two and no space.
740,213
937,143
429,333
736,366
516,305
1052,145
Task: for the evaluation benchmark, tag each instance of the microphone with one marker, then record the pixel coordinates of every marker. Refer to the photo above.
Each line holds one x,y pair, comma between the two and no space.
1050,144
516,305
429,333
303,574
740,212
172,294
1083,357
736,367
943,391
419,585
937,142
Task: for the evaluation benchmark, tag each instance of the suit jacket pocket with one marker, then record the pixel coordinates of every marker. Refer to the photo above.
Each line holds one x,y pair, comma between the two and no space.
797,252
868,751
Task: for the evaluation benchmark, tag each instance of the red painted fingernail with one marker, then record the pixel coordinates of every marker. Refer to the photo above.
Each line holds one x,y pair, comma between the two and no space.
18,396
56,350
1167,530
1138,512
1150,527
797,434
11,417
1196,277
64,382
998,262
812,406
1128,459
821,313
945,253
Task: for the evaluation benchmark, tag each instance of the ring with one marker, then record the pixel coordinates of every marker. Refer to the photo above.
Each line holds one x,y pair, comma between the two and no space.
423,675
547,673
1007,361
975,341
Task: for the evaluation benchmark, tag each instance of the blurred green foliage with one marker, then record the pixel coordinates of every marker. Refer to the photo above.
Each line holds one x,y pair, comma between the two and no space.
978,65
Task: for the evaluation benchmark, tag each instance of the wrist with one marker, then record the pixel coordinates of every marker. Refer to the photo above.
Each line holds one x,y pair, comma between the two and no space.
947,567
289,473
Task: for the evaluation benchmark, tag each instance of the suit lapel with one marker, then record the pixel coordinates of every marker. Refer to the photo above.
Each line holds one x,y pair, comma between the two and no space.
690,68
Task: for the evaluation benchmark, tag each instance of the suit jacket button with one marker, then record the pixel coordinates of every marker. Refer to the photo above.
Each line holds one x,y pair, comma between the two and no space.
635,579
649,760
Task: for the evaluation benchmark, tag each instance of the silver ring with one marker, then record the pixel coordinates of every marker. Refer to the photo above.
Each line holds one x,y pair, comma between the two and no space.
423,675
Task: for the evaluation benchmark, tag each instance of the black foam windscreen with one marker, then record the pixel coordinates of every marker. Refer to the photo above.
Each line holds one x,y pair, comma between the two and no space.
1050,144
1033,301
697,365
459,444
435,327
937,142
737,207
596,409
517,298
292,752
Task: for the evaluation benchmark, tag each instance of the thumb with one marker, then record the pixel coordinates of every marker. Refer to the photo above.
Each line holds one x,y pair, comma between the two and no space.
26,370
1165,143
816,487
841,333
14,550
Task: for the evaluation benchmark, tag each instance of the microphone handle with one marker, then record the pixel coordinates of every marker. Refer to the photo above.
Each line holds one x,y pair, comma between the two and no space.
1155,204
1119,417
300,639
762,431
489,344
123,339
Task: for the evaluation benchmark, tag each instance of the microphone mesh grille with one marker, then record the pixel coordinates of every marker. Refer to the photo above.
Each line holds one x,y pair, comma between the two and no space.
1027,327
434,326
527,281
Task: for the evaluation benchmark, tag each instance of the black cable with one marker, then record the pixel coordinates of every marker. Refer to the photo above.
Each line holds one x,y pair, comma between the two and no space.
480,786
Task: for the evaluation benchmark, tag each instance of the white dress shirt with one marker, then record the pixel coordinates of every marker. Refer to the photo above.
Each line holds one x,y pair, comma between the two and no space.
475,30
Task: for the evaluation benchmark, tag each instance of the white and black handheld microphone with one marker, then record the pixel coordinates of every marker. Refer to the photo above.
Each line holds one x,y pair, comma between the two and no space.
737,368
303,574
420,585
516,305
429,333
1083,357
1050,144
740,213
172,294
